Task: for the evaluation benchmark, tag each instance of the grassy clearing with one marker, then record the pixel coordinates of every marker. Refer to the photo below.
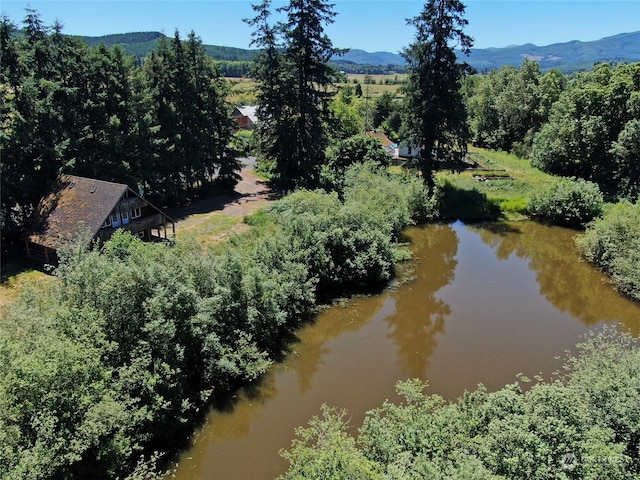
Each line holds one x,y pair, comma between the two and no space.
16,276
486,198
208,232
211,229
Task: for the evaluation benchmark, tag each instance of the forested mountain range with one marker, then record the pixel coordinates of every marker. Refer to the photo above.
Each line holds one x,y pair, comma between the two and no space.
567,56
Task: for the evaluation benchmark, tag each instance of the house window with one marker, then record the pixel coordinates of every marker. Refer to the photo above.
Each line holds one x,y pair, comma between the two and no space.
136,212
107,222
114,217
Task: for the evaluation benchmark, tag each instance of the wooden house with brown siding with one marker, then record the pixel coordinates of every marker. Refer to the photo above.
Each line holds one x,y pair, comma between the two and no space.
78,203
246,116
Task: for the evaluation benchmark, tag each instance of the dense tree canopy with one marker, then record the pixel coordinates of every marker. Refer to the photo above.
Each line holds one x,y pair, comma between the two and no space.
592,131
508,106
90,111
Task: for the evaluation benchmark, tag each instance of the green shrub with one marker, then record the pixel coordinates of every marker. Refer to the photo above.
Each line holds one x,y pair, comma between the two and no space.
612,243
402,199
347,244
133,339
346,247
354,150
590,413
567,201
243,142
324,450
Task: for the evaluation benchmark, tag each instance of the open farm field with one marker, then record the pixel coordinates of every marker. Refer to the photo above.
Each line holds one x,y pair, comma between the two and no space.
243,89
380,83
378,79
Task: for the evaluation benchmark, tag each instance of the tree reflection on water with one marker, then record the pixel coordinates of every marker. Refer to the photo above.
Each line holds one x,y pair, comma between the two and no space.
420,317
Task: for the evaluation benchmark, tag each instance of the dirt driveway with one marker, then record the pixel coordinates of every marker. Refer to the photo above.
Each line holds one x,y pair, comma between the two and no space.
252,193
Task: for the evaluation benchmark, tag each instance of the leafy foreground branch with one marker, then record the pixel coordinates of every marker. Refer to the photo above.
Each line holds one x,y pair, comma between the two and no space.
114,362
585,424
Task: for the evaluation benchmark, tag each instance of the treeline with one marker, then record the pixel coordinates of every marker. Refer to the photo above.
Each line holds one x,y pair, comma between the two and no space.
352,67
138,44
583,424
119,38
586,125
113,362
233,68
70,108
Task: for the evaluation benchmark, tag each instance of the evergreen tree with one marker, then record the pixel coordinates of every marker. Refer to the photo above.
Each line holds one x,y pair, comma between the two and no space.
437,119
382,108
160,161
105,141
9,67
191,128
294,77
211,156
34,139
10,171
272,88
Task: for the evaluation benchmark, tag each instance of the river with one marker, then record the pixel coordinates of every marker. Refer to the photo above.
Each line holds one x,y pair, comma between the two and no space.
484,303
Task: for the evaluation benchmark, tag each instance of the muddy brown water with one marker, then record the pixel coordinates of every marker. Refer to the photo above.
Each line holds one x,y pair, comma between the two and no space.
487,302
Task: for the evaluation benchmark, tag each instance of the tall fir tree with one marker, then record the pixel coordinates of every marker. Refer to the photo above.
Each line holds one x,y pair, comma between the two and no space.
272,88
294,78
436,114
104,146
191,127
10,170
34,140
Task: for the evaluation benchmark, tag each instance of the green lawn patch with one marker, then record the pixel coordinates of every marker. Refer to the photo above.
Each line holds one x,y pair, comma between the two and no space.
503,183
211,230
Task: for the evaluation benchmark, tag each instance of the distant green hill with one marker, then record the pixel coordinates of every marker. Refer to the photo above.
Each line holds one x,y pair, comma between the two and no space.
568,56
141,44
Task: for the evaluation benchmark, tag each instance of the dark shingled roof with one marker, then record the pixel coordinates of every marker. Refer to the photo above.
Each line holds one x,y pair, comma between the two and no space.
72,204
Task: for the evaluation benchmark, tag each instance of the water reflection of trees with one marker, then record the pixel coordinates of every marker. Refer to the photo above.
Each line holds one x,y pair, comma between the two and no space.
307,354
419,314
417,318
567,282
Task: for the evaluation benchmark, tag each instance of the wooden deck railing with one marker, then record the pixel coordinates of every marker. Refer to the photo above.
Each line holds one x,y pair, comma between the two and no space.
138,225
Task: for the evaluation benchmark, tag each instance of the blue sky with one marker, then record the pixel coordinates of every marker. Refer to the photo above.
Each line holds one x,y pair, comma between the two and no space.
372,25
